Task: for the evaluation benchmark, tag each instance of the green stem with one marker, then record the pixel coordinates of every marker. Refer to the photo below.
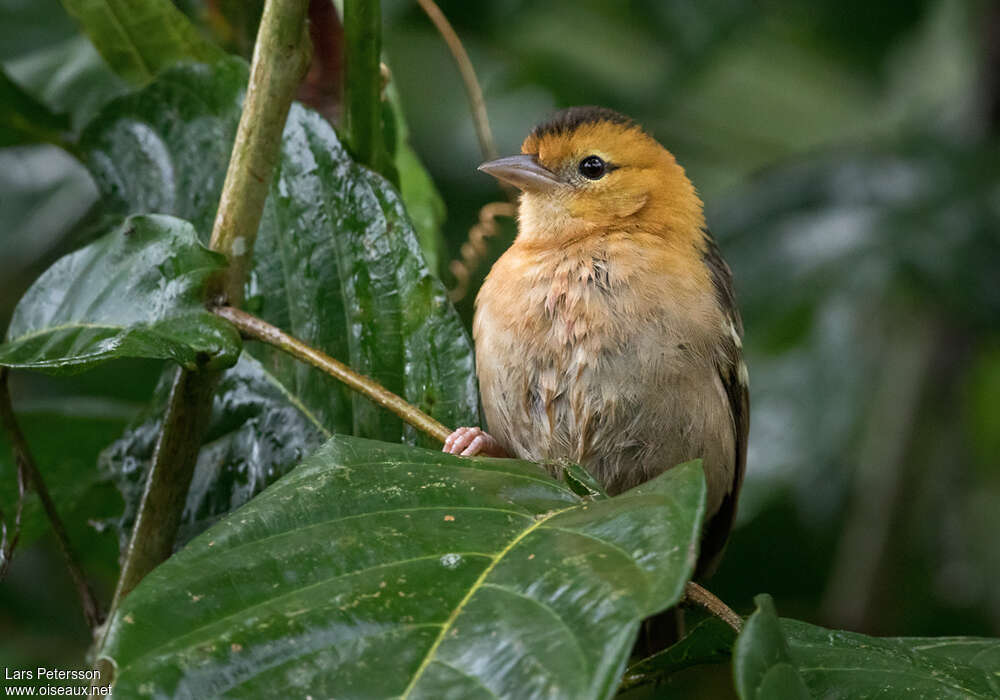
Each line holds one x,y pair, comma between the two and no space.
363,85
280,59
475,93
163,497
256,328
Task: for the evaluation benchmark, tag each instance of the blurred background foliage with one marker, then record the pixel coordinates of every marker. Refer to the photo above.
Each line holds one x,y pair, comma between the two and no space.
847,154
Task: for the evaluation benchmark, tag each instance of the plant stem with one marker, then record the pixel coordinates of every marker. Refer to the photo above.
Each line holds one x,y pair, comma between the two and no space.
696,595
254,327
26,466
280,59
472,89
163,498
363,80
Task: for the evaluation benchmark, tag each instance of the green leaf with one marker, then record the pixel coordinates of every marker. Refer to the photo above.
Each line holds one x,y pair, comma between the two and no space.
377,570
139,38
773,657
336,264
762,663
135,292
26,120
709,642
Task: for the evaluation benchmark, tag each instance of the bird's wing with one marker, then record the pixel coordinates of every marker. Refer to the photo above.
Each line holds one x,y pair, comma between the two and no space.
733,374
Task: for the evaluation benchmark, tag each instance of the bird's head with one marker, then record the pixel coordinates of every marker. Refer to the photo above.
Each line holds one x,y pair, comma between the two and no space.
588,170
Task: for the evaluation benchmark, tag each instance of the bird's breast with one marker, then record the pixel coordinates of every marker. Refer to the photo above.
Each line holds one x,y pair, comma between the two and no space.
582,353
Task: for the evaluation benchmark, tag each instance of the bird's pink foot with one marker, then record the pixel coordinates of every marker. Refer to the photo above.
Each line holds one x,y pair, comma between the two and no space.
469,442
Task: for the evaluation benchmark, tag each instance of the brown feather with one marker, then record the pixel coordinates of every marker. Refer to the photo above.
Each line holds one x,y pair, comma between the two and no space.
608,332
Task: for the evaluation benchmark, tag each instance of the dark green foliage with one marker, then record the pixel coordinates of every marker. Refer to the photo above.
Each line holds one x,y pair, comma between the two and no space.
336,264
451,576
136,292
782,658
139,39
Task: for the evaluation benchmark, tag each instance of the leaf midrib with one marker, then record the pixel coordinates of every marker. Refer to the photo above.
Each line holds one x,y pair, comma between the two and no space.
72,325
476,586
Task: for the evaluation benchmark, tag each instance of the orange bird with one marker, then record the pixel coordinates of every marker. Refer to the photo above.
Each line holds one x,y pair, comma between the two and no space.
608,333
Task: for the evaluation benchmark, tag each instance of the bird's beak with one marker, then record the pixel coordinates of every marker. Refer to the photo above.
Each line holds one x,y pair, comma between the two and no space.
524,172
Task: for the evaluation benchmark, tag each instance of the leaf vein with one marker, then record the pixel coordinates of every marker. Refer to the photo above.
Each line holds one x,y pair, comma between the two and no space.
477,584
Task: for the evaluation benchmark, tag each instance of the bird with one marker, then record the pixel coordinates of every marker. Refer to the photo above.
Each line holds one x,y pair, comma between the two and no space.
608,332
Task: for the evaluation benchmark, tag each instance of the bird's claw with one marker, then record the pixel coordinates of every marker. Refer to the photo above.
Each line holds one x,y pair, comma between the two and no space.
469,442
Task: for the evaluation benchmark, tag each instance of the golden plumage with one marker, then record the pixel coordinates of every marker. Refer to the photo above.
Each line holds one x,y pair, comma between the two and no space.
607,333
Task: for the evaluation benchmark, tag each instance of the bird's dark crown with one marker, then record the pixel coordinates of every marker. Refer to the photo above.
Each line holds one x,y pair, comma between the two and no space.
569,120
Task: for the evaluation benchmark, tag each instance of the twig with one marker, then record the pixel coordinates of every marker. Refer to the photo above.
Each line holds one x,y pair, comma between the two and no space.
472,89
280,59
8,545
254,327
696,595
474,249
26,465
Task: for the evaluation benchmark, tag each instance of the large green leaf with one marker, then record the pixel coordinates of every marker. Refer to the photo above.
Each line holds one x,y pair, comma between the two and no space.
139,38
136,292
336,264
772,654
378,570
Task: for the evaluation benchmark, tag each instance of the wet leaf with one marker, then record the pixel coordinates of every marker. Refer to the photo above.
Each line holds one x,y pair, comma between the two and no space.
139,39
453,577
774,654
136,292
709,642
762,664
336,264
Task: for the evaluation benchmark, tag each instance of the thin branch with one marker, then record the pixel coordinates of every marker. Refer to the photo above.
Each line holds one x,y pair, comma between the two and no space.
472,89
253,327
26,466
280,59
696,595
9,544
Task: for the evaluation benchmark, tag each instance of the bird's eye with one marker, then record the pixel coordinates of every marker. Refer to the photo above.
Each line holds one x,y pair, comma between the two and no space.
593,168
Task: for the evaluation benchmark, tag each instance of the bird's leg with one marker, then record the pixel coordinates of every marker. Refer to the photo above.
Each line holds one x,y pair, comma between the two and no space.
469,442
